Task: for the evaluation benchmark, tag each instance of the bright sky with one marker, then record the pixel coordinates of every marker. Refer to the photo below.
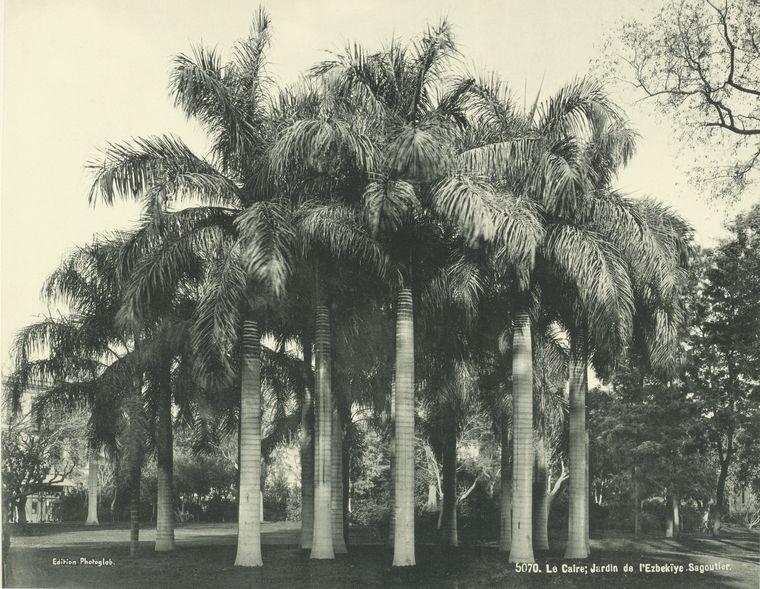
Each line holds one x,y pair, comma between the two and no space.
80,73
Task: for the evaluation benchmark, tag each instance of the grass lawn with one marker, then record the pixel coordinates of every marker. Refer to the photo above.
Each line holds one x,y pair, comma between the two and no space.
205,555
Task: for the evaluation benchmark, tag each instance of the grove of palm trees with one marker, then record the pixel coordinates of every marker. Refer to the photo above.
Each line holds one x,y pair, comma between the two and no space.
399,322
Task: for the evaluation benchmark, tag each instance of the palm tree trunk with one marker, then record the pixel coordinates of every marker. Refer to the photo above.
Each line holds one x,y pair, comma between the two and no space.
346,491
135,466
92,487
403,537
576,530
542,532
322,541
636,506
587,494
336,497
307,451
134,510
164,472
521,549
449,504
541,493
505,516
392,466
249,494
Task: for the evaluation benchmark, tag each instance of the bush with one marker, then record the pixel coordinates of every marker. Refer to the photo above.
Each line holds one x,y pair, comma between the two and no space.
370,512
281,500
293,507
478,515
220,509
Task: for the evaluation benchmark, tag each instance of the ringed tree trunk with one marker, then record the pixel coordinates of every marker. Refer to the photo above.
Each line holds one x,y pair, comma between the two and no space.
322,540
135,464
542,498
164,472
636,505
505,516
587,496
249,495
576,525
392,465
134,510
336,496
449,504
93,468
403,537
307,451
347,489
521,549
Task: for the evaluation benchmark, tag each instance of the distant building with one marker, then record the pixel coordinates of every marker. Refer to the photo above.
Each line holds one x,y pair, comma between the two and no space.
42,507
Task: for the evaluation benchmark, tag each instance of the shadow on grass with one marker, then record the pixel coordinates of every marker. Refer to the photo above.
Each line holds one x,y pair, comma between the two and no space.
194,565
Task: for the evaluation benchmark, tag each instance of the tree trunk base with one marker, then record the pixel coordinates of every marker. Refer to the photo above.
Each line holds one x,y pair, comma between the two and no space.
523,555
164,545
248,561
576,552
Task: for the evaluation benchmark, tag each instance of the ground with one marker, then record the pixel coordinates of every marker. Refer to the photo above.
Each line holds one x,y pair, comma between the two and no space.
205,555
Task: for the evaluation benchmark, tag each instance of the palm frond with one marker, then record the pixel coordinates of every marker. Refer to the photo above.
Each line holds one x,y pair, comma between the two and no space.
339,230
575,110
603,286
219,311
417,154
389,204
322,146
162,168
466,204
267,242
164,251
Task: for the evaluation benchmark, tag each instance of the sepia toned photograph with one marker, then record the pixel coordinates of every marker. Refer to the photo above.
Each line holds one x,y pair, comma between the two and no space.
344,294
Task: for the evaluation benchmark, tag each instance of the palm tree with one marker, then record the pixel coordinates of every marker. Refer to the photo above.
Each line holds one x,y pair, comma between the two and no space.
247,246
230,101
448,317
410,133
92,358
542,158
